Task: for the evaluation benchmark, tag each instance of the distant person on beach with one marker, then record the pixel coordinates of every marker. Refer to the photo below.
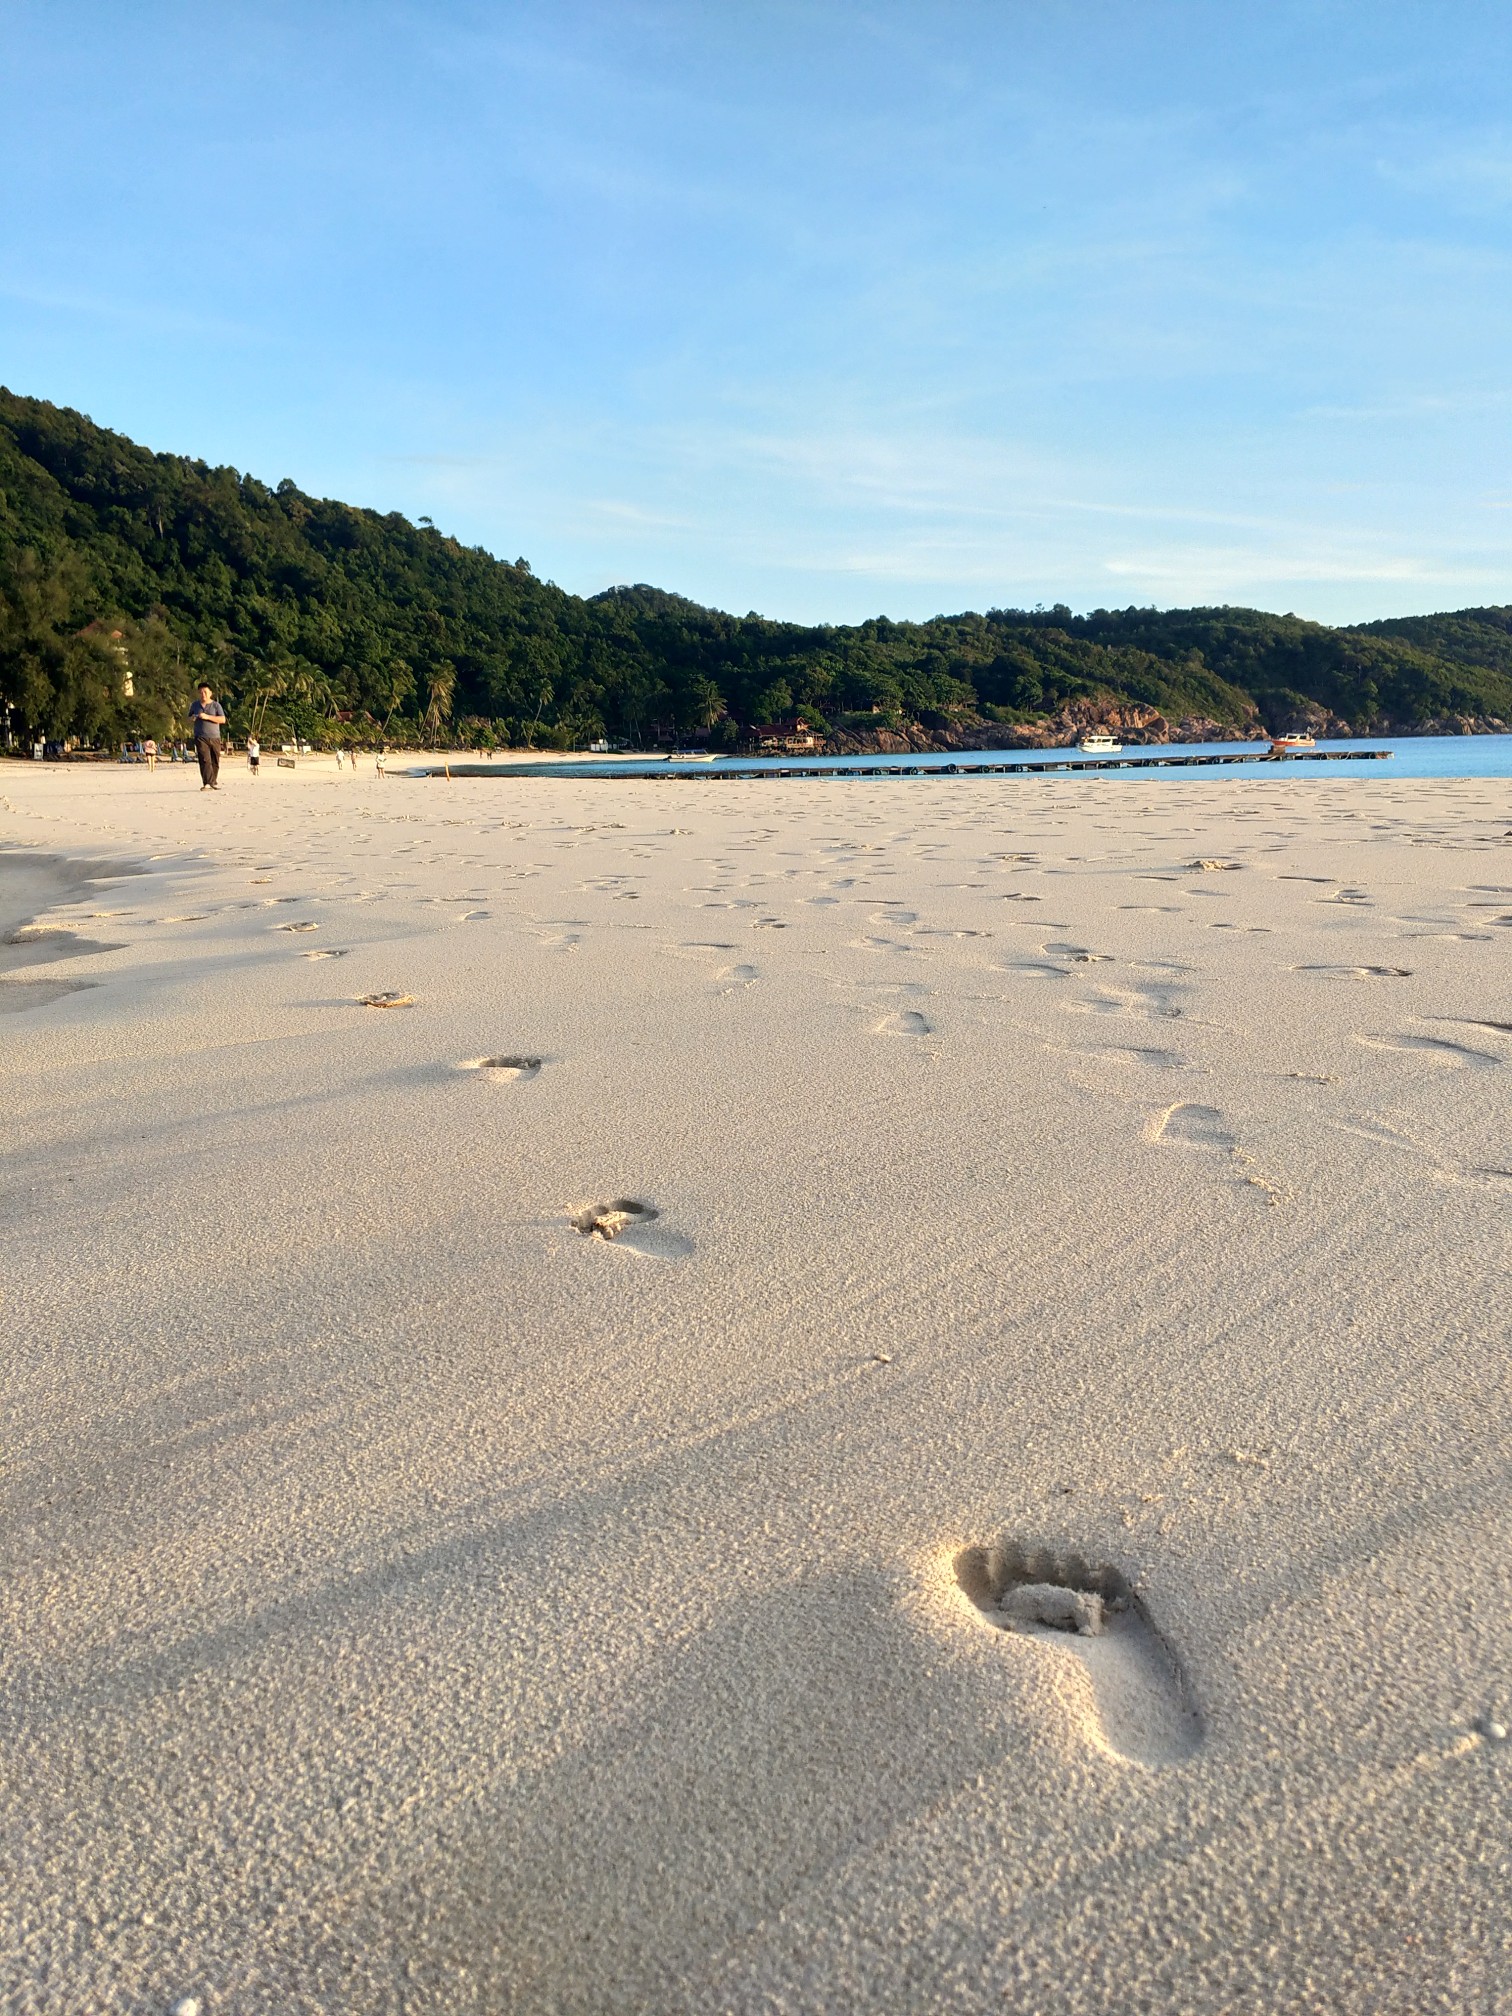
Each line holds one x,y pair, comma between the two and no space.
149,750
380,760
207,717
254,753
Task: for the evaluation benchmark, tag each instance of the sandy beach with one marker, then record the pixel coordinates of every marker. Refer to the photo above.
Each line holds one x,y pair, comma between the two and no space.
413,1601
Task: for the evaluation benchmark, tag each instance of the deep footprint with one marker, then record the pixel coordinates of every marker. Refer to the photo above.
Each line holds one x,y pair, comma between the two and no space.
503,1067
1140,1707
607,1221
627,1222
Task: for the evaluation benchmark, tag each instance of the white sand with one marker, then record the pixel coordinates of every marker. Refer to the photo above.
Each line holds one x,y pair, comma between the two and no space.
413,1604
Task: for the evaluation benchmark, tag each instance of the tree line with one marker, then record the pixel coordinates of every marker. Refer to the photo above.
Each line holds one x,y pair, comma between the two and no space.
126,576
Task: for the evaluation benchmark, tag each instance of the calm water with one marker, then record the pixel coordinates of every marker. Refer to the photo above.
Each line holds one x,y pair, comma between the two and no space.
1411,756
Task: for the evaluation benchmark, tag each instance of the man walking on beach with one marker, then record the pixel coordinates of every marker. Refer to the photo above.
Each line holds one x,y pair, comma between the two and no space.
206,717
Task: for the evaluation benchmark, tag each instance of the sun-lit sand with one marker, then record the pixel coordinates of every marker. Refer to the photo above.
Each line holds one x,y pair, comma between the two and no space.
417,1600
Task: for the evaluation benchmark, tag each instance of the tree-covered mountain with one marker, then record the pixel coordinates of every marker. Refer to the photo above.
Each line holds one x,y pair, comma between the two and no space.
125,576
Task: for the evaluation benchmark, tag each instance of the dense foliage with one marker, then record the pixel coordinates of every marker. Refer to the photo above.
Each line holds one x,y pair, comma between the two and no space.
125,576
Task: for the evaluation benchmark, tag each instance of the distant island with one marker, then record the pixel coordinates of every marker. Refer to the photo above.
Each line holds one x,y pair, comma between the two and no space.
126,576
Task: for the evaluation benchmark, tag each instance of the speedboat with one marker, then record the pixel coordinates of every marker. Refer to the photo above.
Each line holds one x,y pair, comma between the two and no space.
1282,745
1099,745
690,756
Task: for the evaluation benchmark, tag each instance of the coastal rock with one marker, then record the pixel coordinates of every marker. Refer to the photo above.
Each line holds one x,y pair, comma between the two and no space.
1133,723
1308,717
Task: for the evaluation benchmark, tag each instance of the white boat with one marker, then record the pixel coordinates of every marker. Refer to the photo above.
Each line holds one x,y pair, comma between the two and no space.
1099,745
1281,743
690,756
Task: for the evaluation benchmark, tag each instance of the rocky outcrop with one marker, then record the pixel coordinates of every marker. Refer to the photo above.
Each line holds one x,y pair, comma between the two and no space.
1311,718
1130,721
1135,725
1308,717
908,740
1446,724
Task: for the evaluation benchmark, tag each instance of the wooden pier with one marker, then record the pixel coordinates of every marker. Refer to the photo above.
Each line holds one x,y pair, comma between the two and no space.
910,767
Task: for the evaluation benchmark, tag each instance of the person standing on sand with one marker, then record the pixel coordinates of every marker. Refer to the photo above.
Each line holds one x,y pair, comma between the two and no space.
207,718
149,750
254,753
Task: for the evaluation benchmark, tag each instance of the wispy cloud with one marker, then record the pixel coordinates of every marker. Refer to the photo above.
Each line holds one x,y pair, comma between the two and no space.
1240,567
146,317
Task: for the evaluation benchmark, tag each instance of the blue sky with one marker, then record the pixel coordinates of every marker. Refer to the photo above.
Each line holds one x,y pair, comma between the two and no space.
818,309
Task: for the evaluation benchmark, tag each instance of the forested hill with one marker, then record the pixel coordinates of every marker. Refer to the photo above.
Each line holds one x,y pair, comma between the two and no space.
126,575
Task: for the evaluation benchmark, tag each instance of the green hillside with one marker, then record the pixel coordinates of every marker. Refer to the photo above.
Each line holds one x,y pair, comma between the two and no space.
125,576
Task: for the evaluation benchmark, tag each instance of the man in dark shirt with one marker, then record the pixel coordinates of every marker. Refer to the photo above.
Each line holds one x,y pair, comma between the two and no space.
206,717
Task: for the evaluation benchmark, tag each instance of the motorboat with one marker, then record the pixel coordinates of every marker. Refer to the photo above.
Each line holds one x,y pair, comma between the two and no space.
1282,745
1099,744
690,756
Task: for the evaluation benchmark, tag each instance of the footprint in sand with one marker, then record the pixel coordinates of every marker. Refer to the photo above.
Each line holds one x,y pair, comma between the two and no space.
297,927
1359,972
735,979
1119,1680
1041,968
906,1022
1077,954
1462,937
503,1068
1149,1002
630,1223
326,952
1191,1126
16,996
1152,1058
1436,1048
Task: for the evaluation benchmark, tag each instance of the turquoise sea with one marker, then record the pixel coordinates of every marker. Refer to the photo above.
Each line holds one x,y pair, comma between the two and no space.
1411,756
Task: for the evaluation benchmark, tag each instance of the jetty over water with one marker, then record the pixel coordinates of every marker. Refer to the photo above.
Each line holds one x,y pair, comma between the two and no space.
656,769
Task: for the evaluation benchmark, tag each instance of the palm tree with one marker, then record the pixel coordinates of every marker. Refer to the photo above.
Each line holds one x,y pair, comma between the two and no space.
443,687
